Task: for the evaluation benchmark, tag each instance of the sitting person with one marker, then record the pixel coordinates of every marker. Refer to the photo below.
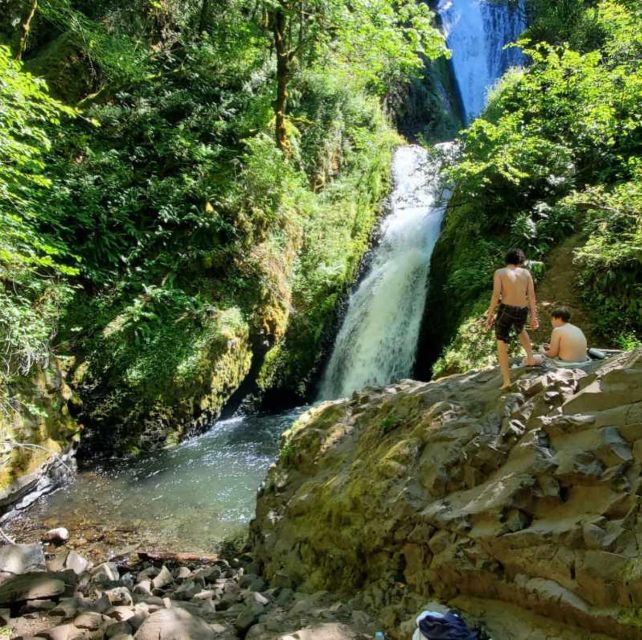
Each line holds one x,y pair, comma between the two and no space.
568,342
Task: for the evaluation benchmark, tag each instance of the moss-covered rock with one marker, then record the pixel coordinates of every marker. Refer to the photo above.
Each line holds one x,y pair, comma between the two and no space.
37,427
487,501
144,391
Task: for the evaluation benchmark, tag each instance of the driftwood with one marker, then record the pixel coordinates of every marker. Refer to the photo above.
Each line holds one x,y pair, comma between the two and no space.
159,557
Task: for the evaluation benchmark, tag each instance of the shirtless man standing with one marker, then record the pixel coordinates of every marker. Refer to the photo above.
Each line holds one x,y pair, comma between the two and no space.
568,342
514,292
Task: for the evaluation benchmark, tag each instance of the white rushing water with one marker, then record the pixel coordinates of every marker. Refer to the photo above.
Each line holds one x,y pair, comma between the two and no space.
378,339
377,342
476,32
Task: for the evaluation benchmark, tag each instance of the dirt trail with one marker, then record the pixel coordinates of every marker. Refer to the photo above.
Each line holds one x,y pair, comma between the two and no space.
559,286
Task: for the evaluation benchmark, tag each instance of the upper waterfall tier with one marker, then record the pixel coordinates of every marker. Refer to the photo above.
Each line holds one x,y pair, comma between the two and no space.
477,32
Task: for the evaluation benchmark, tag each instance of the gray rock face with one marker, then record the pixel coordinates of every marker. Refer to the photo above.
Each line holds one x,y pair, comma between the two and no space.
174,624
448,490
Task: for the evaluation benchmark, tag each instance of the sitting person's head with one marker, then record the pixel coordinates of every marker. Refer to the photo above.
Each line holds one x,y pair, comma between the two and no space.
560,316
515,257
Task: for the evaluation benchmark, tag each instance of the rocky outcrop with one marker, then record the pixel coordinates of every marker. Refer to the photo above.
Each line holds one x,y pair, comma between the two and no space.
522,509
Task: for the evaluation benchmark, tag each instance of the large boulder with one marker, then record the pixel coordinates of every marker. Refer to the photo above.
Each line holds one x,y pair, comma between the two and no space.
20,558
450,490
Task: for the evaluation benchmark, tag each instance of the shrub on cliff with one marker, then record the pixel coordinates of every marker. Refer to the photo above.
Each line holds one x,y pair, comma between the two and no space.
557,152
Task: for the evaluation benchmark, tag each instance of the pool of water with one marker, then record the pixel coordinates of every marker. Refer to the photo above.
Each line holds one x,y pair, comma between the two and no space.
188,498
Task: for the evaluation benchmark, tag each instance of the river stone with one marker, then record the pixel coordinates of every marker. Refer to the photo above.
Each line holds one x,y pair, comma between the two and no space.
77,563
105,573
21,558
90,620
327,631
163,579
60,535
61,632
183,573
66,608
144,587
33,586
119,596
117,628
187,591
37,606
174,624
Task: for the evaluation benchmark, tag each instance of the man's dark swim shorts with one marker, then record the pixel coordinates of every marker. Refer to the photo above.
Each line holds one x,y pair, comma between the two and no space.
507,318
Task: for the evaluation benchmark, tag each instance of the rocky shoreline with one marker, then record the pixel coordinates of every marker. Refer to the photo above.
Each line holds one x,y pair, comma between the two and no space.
61,595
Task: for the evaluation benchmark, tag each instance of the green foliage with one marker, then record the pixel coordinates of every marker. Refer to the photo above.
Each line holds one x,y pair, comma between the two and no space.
33,257
389,422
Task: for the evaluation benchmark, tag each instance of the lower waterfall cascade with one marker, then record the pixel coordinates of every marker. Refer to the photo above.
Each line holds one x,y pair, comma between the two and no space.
378,339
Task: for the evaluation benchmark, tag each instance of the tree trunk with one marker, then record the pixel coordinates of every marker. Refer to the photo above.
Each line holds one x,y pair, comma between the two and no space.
25,29
282,77
203,22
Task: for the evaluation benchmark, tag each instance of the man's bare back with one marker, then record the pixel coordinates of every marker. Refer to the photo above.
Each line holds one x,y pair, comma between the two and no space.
515,284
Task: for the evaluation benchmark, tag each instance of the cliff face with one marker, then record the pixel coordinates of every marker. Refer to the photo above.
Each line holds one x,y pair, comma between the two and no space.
522,510
39,433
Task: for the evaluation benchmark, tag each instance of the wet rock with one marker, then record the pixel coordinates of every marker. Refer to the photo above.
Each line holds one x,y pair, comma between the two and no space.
57,536
174,624
16,559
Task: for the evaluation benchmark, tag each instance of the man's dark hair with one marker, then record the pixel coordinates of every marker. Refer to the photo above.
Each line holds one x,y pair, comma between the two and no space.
562,313
515,256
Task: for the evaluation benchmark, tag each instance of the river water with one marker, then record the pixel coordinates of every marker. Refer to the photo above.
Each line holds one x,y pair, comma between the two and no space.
189,497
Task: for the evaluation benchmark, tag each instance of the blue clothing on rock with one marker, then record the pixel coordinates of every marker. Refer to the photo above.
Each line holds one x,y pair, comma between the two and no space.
444,626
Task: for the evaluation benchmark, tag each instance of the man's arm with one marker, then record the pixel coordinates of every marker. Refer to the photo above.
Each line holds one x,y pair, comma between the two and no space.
494,300
532,301
554,348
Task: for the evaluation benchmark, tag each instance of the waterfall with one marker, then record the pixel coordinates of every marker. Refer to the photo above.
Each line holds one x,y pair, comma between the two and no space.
377,342
476,33
378,339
